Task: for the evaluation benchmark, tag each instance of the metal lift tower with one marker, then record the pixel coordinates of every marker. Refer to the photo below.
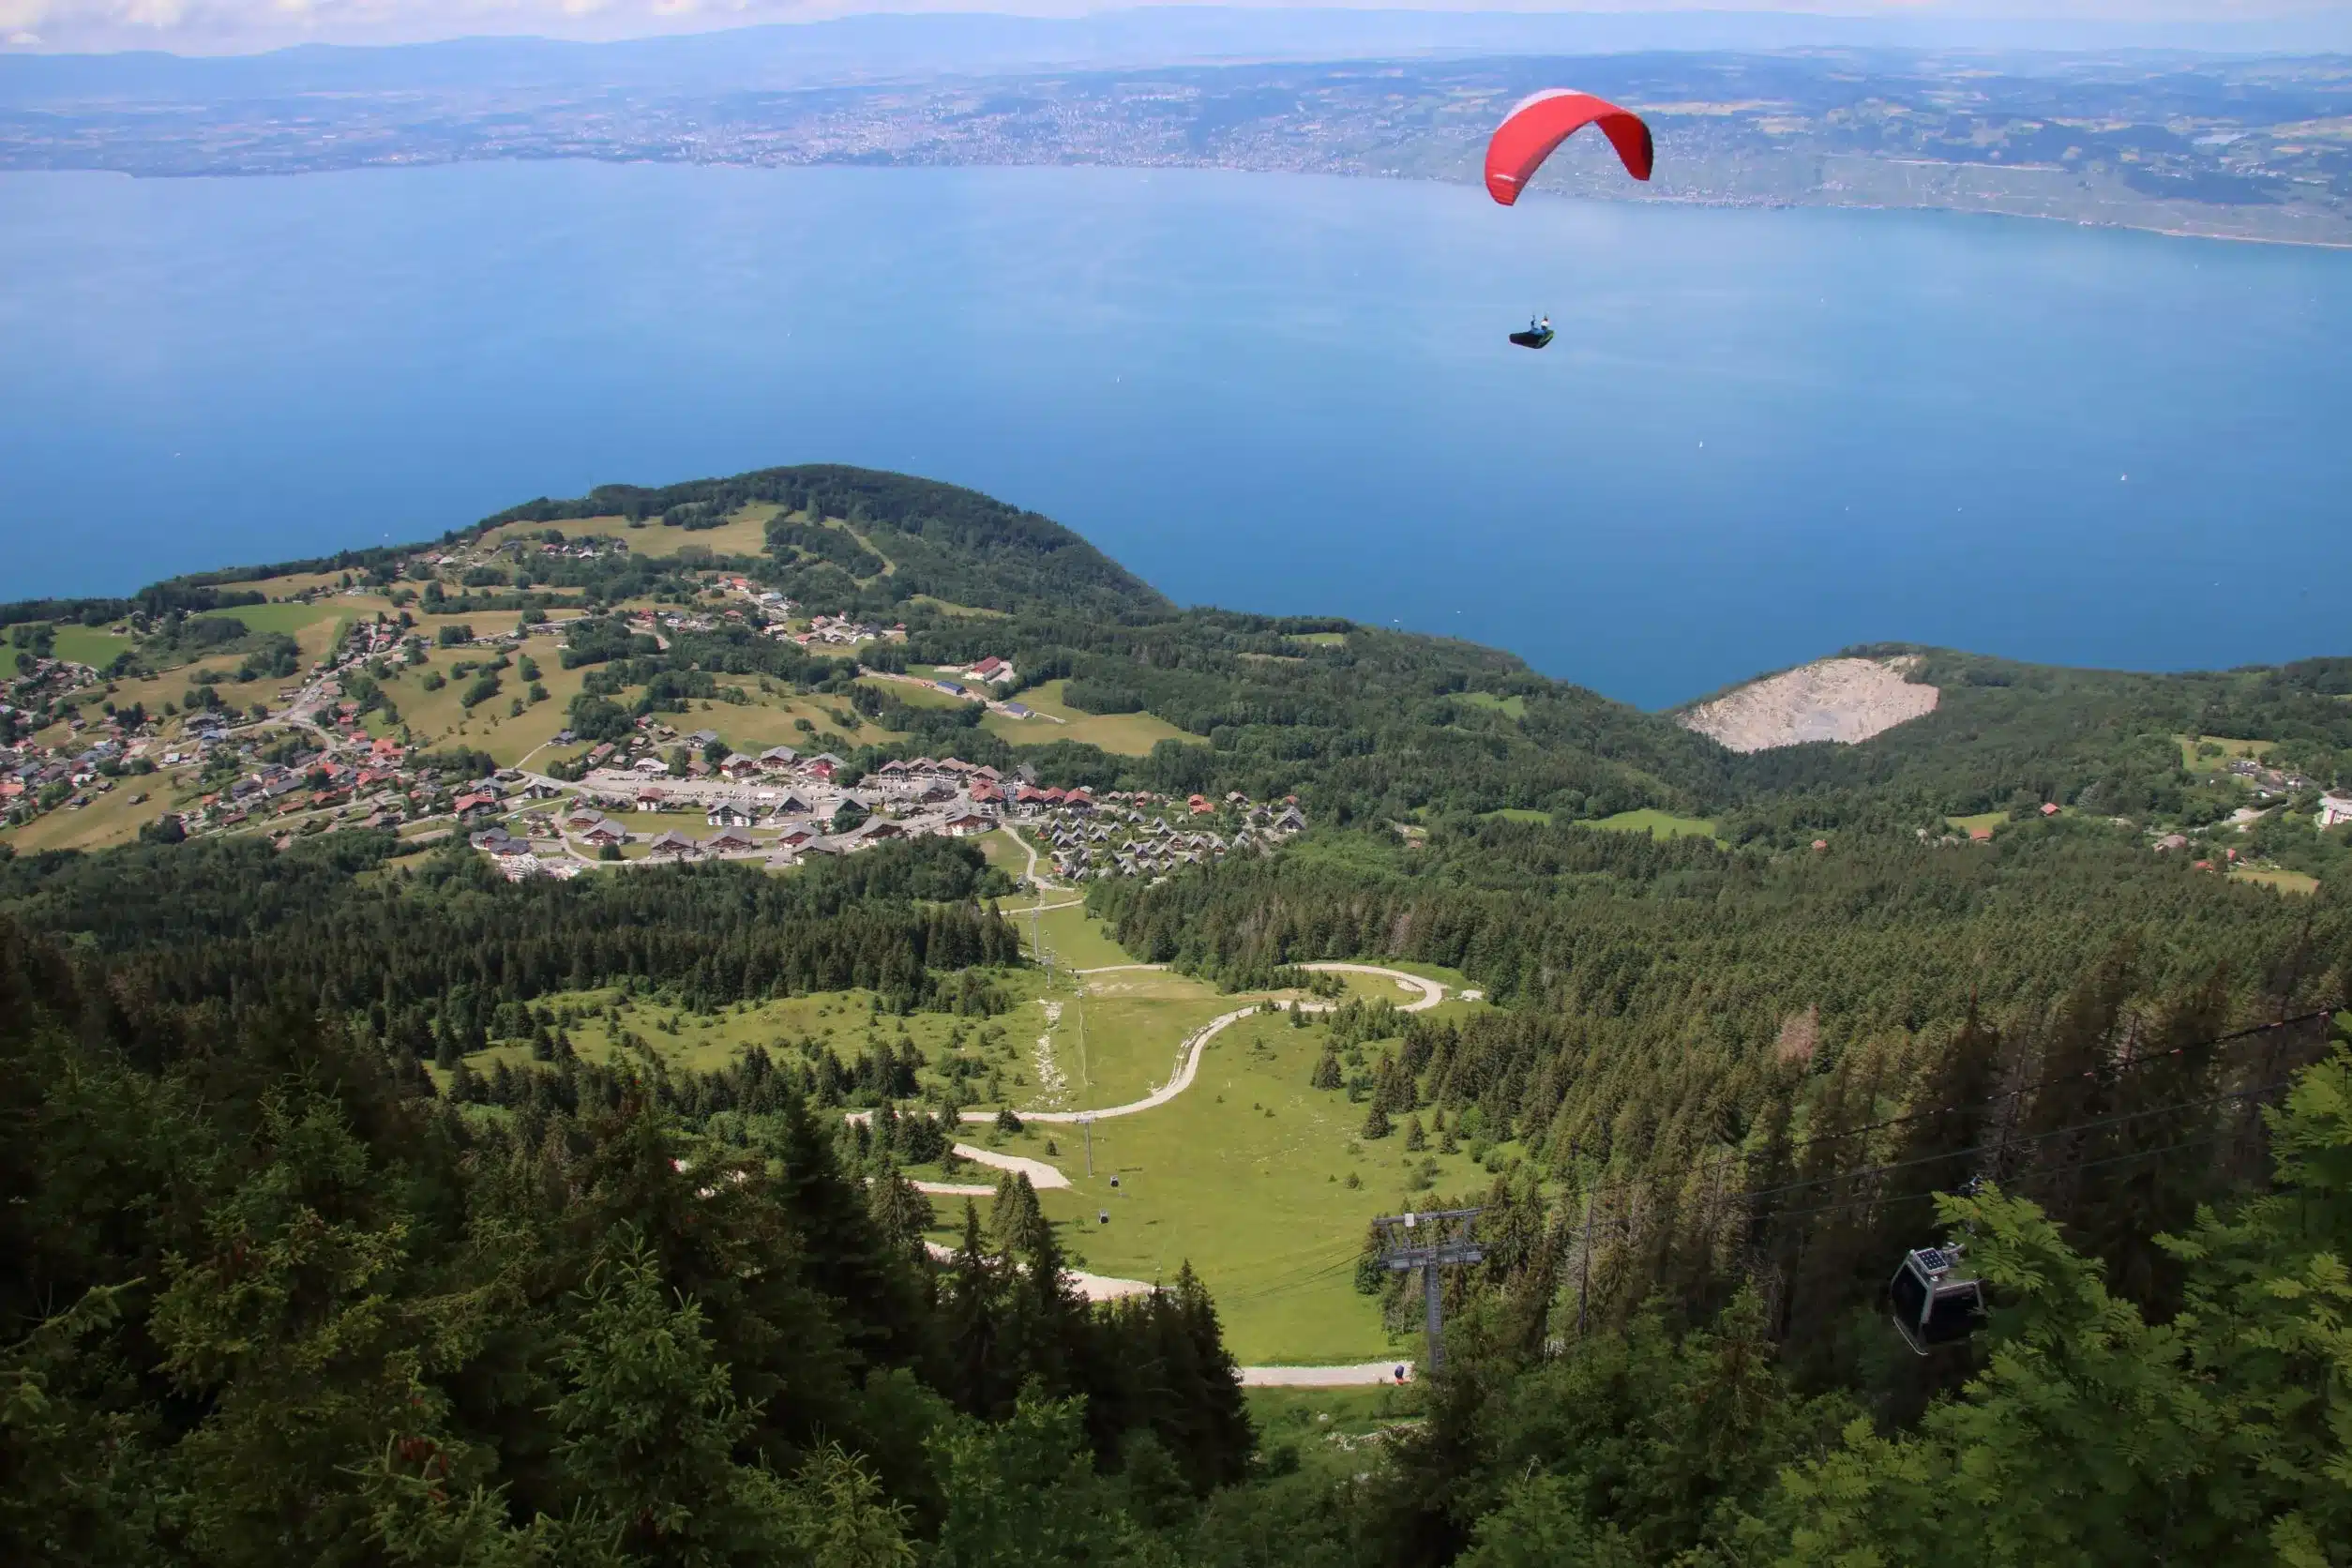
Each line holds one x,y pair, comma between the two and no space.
1429,1241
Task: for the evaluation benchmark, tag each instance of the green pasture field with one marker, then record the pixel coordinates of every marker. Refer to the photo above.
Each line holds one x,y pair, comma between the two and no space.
2275,876
745,533
109,818
1518,814
1076,939
1120,1040
90,645
1319,639
1993,821
1122,735
2231,750
843,1020
290,617
1004,854
1658,824
1258,1202
946,608
912,695
1515,706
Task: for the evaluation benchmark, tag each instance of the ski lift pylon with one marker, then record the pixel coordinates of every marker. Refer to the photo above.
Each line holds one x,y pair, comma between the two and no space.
1931,1305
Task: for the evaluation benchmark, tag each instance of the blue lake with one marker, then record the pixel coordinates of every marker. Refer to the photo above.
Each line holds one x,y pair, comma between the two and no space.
1760,436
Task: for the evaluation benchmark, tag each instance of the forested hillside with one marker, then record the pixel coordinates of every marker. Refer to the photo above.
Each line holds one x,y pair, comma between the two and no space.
322,1242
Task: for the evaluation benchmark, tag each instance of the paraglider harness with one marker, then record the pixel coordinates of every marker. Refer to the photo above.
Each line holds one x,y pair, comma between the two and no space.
1537,333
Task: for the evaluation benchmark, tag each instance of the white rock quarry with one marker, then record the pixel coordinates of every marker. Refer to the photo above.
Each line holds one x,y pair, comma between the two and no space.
1840,699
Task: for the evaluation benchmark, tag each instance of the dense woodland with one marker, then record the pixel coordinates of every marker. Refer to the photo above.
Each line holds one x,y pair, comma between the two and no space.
272,1296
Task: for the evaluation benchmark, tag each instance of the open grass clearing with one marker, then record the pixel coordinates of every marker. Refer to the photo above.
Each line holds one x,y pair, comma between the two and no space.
2275,876
845,1021
289,616
2232,750
1517,814
91,645
1074,937
1658,824
1331,1429
1319,639
910,694
944,607
1991,822
1122,735
1258,1202
109,818
1004,854
1513,705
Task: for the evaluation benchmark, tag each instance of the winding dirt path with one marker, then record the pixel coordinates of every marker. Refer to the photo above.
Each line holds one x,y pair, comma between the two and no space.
1430,994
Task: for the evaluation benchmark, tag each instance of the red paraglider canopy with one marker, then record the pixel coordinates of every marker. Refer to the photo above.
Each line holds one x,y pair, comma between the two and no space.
1542,121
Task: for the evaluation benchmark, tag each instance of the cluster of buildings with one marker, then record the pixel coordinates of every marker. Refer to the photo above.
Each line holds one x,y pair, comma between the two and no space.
1143,834
781,806
840,632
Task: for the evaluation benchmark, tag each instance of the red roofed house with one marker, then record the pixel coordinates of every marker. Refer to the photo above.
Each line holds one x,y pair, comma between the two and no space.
1199,804
2049,808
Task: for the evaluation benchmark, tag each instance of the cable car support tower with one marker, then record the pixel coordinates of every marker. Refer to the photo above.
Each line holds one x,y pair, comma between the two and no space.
1429,1241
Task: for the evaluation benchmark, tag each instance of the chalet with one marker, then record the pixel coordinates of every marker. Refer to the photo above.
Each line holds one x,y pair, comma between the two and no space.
1292,821
674,845
963,825
651,800
823,767
993,671
729,813
738,764
795,838
779,757
1198,804
601,832
650,764
475,808
733,840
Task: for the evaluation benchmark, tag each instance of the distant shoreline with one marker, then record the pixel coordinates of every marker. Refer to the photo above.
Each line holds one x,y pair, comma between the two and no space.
1641,199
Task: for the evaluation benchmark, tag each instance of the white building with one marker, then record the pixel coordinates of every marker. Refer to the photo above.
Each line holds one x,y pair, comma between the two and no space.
2334,809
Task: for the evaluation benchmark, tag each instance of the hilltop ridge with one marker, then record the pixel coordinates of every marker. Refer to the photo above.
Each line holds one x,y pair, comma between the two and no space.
838,608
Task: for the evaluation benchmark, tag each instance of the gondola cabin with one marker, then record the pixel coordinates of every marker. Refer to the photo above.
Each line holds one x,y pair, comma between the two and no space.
1932,1306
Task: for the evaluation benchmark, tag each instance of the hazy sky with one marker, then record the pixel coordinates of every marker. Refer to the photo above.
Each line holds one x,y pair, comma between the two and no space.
209,26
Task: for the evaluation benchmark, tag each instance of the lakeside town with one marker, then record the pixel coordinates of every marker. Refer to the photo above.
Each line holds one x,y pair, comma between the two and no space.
659,794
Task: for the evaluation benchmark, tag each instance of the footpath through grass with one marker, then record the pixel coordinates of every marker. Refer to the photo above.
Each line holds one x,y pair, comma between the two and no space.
1247,1175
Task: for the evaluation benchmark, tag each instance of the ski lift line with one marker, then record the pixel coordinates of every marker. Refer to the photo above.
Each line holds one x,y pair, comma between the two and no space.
1272,1292
2020,1142
2258,1029
1617,1191
2024,1179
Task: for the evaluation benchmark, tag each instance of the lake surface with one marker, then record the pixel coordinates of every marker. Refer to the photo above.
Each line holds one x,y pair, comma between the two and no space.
1760,435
